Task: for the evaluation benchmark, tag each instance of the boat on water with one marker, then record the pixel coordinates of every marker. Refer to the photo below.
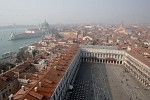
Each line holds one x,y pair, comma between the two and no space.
23,36
43,29
27,34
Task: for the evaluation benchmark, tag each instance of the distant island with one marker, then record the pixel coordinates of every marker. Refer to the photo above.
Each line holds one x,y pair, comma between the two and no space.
16,26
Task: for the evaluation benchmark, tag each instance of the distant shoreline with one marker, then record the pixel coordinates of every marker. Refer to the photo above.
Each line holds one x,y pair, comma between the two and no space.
13,45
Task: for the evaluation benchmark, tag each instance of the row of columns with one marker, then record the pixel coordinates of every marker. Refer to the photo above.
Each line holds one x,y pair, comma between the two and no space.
97,60
145,80
63,86
100,58
101,55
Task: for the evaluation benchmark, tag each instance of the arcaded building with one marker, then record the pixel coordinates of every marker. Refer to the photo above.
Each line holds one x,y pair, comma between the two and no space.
90,72
108,54
129,71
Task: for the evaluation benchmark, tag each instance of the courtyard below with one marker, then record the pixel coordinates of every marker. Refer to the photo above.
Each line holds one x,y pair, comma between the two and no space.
99,81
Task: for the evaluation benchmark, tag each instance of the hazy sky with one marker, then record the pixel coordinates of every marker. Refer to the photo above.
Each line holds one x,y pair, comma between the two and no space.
74,11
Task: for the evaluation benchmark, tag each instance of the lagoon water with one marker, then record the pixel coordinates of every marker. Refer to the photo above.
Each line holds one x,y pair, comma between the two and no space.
6,45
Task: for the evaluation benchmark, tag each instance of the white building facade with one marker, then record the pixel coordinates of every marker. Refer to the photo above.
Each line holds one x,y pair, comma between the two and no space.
98,54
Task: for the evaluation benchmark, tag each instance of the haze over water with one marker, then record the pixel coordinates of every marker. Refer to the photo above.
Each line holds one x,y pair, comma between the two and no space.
6,45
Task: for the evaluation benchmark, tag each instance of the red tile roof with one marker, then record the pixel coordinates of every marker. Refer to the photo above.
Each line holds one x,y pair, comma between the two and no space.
52,76
137,53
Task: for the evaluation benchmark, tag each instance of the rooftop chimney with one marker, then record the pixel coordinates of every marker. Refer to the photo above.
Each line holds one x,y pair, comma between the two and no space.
2,71
11,97
128,48
23,88
25,76
55,67
36,75
40,84
36,89
135,45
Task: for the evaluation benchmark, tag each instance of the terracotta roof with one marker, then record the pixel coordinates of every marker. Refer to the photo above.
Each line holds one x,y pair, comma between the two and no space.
20,93
52,77
137,53
11,74
6,78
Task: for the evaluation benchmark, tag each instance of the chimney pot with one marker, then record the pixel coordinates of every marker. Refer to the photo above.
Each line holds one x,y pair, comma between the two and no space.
36,89
40,84
2,71
36,75
55,67
23,88
25,76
